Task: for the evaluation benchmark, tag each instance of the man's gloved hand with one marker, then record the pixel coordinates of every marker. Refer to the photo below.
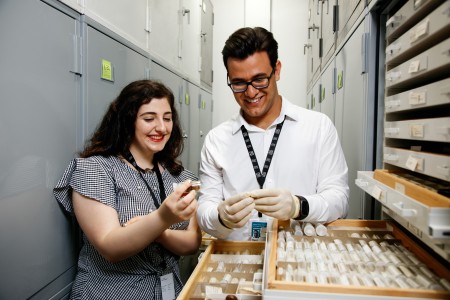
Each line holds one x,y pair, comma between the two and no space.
236,211
277,203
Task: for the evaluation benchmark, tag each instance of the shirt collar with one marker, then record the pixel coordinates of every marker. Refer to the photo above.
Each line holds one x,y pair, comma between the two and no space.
287,110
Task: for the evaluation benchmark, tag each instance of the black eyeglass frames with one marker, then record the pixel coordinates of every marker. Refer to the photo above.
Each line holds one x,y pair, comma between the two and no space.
257,83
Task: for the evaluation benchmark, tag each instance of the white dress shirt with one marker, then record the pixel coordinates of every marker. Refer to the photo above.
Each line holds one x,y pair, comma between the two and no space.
308,161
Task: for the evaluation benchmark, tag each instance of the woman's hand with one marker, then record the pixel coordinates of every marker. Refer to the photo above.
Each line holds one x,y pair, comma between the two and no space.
176,208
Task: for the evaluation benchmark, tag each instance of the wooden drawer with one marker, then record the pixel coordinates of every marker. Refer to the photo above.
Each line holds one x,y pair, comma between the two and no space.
227,268
400,254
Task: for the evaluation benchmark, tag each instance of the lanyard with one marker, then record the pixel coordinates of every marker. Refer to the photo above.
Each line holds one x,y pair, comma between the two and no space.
162,192
261,177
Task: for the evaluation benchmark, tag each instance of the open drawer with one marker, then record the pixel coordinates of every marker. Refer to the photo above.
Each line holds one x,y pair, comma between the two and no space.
227,268
356,260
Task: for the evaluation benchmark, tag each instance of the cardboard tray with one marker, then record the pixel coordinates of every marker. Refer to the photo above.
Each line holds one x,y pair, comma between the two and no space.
361,226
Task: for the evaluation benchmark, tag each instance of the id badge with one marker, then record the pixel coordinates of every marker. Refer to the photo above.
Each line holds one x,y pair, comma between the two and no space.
167,287
258,229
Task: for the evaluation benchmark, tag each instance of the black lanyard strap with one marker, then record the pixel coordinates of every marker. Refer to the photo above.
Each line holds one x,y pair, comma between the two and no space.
162,192
261,177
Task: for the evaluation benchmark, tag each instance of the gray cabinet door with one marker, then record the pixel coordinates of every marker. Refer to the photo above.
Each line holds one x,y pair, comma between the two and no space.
351,115
193,94
126,65
39,109
207,17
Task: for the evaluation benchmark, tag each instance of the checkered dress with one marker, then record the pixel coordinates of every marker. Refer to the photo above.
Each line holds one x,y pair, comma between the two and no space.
114,183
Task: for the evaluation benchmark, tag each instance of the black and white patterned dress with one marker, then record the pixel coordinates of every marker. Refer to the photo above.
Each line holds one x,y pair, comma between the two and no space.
114,183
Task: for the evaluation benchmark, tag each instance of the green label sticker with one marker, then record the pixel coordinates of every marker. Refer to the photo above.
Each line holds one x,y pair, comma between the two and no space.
340,79
323,95
186,99
107,72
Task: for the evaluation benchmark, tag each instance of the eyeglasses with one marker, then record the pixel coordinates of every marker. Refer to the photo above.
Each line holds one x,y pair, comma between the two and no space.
257,83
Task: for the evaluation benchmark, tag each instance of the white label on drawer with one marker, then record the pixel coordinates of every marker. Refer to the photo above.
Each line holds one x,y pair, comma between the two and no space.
414,66
416,98
400,188
391,130
414,163
392,103
416,130
414,229
376,192
420,31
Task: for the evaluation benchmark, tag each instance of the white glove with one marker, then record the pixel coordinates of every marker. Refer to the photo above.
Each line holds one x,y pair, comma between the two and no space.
277,203
236,211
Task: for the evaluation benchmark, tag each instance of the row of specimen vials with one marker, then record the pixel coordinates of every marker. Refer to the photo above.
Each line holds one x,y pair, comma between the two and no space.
332,275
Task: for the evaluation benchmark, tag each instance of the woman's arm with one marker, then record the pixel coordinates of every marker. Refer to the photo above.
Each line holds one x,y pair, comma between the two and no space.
182,242
101,225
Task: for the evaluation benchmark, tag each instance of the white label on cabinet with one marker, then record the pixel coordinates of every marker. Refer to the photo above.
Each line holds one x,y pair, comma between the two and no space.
416,98
400,188
420,31
416,130
414,66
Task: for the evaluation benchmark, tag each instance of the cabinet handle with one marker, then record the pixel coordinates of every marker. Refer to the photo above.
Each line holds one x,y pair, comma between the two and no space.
444,170
404,212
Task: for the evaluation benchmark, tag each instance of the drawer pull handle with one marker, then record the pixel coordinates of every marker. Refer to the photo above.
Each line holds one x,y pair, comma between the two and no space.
404,212
444,170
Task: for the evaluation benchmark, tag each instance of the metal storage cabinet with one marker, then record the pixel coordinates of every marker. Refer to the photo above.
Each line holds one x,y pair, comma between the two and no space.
313,46
39,113
328,30
328,90
127,65
192,99
206,41
414,187
354,112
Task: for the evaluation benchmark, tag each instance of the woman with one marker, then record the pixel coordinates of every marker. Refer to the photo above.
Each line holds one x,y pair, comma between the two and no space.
135,224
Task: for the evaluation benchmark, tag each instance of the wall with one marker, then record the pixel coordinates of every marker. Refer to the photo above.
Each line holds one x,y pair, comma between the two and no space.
287,19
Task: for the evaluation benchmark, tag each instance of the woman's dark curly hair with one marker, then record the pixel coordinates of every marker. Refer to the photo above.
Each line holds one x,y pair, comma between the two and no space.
116,131
247,41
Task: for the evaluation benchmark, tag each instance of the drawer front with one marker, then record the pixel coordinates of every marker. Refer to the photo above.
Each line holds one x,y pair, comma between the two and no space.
434,165
437,129
422,65
406,207
431,25
436,93
410,11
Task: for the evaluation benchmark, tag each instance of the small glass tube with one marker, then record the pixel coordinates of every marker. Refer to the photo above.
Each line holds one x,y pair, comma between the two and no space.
321,230
308,229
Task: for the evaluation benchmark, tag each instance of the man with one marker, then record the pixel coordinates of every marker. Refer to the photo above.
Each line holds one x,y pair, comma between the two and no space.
274,159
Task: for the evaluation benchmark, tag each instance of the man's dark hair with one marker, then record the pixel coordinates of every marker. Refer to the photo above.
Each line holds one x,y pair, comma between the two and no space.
247,41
